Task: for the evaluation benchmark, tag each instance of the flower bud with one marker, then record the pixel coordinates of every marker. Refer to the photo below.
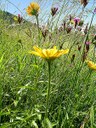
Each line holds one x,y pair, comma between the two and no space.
53,11
87,44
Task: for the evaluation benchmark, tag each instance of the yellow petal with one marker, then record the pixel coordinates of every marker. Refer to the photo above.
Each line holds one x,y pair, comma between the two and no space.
65,51
61,52
50,54
54,47
15,18
39,51
44,51
32,7
91,65
35,53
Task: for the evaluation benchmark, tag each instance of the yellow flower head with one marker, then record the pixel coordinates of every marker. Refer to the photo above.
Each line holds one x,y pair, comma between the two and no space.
48,54
72,22
91,65
33,9
15,18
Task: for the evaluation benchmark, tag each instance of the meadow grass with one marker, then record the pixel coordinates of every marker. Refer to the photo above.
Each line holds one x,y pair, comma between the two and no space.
24,81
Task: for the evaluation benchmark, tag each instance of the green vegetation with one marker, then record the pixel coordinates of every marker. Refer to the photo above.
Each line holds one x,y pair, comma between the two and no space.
24,79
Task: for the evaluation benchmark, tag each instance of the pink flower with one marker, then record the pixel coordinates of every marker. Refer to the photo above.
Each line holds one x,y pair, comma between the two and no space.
19,15
76,20
87,43
20,18
95,10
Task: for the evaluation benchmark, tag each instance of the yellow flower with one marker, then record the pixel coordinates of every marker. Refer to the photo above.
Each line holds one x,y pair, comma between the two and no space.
72,22
33,9
15,18
91,64
48,54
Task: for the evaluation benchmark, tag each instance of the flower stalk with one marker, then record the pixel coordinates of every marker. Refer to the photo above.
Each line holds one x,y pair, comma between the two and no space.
94,53
37,20
37,23
86,37
49,55
33,10
48,89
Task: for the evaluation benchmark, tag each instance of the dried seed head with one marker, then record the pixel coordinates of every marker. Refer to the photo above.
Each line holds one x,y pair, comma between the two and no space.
20,18
79,48
68,29
53,11
84,2
84,56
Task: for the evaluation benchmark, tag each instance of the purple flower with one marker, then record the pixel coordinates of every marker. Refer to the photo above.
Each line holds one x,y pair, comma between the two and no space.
19,15
95,10
20,18
87,43
76,20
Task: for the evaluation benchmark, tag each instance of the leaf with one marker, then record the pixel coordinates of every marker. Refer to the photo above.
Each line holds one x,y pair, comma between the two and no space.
92,116
21,119
15,103
1,60
34,124
47,123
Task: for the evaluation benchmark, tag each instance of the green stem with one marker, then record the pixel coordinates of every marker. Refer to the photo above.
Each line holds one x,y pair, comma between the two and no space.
38,29
48,90
94,53
87,34
37,23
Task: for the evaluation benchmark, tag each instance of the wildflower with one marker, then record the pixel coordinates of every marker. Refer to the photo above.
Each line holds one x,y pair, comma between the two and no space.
15,18
68,29
48,54
44,31
72,21
79,28
95,10
33,9
53,11
87,45
18,18
76,21
84,2
60,29
91,64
